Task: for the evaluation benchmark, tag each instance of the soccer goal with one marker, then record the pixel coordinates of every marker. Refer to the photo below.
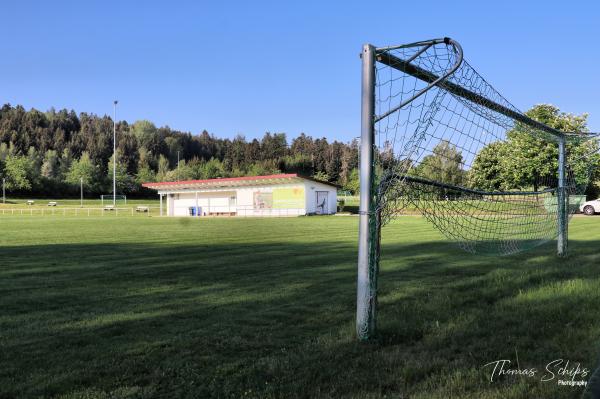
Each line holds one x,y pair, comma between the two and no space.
438,138
108,199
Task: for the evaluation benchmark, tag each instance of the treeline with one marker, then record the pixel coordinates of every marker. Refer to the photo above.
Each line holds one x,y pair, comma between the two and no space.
51,153
522,162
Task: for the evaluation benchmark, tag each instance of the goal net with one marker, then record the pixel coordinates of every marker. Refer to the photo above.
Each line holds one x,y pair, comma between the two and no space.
438,139
107,199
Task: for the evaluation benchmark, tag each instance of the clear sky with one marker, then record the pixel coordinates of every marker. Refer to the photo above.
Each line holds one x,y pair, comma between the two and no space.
250,66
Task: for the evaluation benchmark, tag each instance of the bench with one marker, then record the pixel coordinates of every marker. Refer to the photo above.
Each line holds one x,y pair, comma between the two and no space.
109,207
30,202
52,203
222,214
142,208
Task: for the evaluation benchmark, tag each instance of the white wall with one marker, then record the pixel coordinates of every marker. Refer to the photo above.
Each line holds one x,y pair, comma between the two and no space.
170,205
311,188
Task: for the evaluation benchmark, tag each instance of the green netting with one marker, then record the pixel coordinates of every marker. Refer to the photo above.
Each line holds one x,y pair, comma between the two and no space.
485,174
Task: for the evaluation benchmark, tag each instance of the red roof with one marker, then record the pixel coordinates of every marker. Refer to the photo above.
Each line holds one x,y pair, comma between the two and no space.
210,182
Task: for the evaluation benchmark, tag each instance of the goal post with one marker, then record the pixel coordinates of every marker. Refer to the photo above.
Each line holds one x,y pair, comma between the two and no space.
562,240
108,199
434,134
368,240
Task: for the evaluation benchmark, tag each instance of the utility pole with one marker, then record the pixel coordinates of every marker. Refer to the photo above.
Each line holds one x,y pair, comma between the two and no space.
4,190
81,190
177,165
115,153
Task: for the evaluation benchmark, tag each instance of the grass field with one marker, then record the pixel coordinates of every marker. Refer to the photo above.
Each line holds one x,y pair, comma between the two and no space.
264,308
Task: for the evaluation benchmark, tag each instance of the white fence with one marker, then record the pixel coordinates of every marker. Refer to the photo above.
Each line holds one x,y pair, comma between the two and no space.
239,211
72,211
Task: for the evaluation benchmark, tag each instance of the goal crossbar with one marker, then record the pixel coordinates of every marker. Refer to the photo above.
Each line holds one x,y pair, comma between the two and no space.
405,66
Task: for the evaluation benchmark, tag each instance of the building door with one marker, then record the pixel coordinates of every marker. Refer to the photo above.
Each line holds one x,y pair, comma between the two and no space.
322,202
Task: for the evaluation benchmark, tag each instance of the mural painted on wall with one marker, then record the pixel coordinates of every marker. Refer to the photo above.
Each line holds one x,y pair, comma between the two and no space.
263,200
288,198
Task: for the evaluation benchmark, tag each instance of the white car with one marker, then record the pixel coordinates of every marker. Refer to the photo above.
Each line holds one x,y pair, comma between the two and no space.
590,207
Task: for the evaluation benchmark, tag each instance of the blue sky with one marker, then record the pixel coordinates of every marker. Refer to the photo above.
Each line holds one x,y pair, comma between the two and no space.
250,67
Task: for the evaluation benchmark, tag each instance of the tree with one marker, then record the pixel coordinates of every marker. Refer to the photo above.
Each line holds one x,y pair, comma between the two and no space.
128,148
18,171
262,168
321,155
124,181
145,132
175,150
273,146
334,163
349,161
184,171
353,183
83,169
488,171
252,152
34,166
213,169
144,174
303,145
529,160
50,165
237,152
321,176
445,164
163,168
65,163
4,151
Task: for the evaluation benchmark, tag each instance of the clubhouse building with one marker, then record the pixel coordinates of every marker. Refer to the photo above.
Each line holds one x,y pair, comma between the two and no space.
273,195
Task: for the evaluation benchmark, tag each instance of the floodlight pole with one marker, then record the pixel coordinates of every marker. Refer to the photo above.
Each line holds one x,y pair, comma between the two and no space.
115,153
368,241
81,190
563,199
4,190
177,165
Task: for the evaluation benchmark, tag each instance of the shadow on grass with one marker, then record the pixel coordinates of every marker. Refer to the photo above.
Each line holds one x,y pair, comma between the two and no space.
277,320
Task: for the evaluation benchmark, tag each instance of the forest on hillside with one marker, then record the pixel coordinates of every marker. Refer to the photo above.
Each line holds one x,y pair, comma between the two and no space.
50,153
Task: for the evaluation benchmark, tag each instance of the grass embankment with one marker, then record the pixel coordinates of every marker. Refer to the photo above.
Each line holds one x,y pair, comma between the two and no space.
264,308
